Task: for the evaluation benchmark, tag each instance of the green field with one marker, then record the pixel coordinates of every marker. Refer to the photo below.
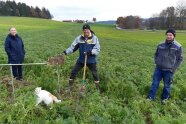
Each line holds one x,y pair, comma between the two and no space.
125,68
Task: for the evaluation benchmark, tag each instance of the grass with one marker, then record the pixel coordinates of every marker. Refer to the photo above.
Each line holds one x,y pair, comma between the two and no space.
125,68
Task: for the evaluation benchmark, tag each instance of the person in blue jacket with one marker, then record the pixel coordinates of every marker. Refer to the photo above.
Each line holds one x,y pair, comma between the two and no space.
14,48
168,58
87,43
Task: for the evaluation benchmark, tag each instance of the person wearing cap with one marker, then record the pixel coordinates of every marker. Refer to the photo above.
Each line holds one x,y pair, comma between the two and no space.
88,44
168,57
14,48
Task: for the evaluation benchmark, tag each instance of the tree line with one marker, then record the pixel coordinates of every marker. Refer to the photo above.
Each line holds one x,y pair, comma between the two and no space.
171,17
11,8
129,22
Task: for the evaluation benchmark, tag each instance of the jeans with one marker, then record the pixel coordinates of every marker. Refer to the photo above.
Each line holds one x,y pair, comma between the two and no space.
78,66
17,71
167,77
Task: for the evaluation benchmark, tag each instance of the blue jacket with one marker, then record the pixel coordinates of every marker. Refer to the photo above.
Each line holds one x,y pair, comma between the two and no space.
85,45
14,48
168,56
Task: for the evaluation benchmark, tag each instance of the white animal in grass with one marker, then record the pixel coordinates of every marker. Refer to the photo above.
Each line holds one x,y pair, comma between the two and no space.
45,96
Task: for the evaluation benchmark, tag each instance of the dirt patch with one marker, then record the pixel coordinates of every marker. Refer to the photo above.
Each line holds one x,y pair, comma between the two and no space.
66,93
7,82
56,60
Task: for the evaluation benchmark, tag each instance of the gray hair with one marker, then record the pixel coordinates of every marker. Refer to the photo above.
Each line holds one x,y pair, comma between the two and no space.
11,28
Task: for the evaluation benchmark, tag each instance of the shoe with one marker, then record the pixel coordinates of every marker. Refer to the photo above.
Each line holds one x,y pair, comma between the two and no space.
70,84
149,98
164,101
96,84
18,78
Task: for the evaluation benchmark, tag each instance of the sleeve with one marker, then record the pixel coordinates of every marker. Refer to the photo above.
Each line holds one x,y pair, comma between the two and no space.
156,55
179,58
7,47
74,46
23,46
96,48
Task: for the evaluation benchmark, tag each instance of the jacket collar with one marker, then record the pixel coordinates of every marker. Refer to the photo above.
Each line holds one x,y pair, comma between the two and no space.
89,37
169,42
13,36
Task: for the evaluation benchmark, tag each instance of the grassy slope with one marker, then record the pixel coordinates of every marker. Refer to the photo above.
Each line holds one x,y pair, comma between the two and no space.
125,67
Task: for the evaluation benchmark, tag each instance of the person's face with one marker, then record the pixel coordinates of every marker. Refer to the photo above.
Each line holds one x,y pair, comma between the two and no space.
13,31
86,32
170,36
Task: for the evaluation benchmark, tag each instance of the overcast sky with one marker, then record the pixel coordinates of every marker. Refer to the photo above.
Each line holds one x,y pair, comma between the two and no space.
101,9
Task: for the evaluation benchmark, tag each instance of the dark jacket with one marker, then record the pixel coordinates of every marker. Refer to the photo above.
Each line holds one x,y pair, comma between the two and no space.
85,45
168,56
14,48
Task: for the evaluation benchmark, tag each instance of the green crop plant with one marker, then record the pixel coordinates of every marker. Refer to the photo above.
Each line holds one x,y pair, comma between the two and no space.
125,66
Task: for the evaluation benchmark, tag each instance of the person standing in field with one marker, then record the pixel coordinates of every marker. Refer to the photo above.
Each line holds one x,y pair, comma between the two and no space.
14,48
88,44
168,57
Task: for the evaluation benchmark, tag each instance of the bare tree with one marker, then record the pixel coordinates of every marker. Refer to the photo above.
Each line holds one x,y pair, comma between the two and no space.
120,22
32,12
138,22
129,22
94,19
162,19
171,17
153,22
181,12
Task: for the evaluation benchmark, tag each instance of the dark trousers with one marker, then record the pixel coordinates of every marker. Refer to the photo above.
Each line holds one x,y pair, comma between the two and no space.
167,77
17,71
79,66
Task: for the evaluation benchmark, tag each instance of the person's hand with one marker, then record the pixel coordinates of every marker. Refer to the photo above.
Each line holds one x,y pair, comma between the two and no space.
64,52
88,53
173,70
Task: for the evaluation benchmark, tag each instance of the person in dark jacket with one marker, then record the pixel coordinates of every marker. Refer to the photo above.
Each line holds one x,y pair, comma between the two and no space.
14,48
168,57
87,43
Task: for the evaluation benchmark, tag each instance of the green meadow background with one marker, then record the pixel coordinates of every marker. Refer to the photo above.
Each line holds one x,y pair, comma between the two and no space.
125,68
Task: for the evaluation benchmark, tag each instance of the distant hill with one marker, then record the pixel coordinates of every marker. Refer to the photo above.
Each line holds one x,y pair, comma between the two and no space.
107,22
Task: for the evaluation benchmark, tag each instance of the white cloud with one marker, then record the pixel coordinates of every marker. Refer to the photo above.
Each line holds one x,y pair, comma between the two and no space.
101,9
73,12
